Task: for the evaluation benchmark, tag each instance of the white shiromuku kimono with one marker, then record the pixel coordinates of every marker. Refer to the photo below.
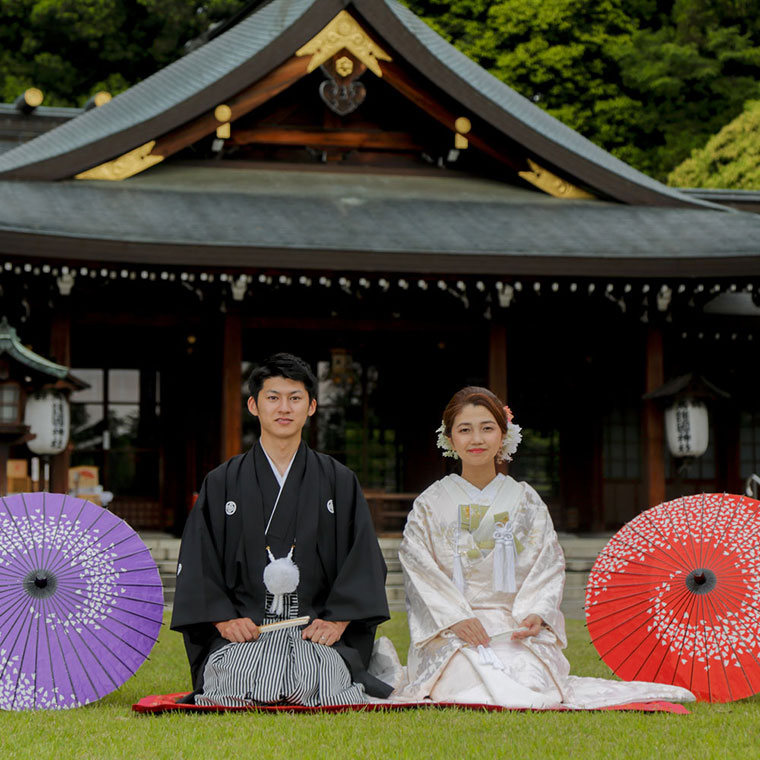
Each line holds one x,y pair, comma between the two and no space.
453,522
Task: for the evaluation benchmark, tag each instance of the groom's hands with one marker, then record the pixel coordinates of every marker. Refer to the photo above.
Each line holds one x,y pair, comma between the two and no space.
325,632
238,630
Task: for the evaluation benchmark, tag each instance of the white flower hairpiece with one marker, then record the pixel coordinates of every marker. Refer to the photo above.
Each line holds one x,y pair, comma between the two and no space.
444,442
508,446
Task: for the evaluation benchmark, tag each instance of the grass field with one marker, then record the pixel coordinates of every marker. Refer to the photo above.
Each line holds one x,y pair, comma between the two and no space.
109,729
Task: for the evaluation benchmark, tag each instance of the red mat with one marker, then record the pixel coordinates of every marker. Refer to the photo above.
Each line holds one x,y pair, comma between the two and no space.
161,703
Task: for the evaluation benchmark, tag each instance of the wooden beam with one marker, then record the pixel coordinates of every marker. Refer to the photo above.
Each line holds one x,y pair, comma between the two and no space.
653,421
349,138
252,97
232,421
399,79
318,324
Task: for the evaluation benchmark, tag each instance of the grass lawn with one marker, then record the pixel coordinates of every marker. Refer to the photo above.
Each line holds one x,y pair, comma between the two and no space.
109,729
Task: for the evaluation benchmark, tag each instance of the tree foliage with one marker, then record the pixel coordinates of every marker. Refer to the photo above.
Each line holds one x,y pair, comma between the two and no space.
70,49
731,159
648,80
558,53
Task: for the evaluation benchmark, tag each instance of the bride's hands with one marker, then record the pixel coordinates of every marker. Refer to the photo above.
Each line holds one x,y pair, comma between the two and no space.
471,631
530,627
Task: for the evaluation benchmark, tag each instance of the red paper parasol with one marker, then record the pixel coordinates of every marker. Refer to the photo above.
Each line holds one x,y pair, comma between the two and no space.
673,597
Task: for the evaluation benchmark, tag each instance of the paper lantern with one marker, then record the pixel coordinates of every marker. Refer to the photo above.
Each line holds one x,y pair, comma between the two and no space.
687,428
48,417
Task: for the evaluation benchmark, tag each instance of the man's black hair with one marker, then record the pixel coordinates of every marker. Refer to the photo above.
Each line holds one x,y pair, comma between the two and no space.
282,365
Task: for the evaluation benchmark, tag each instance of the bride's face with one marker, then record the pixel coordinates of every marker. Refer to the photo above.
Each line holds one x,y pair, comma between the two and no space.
476,436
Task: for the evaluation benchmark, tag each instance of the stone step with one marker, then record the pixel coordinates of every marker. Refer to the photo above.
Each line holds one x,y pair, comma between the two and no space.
390,555
574,592
167,566
162,548
578,547
394,580
576,580
395,593
573,609
580,554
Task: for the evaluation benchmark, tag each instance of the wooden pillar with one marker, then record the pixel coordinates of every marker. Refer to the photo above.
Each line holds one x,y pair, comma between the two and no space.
653,421
4,446
497,361
497,370
60,351
232,380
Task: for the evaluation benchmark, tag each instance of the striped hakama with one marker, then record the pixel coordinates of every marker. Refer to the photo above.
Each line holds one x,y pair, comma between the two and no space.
278,668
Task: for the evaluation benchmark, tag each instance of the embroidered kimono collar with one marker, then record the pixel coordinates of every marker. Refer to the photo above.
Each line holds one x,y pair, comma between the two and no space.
482,496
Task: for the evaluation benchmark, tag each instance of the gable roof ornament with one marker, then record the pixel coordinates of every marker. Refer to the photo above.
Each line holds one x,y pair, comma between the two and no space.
551,184
344,33
131,163
251,61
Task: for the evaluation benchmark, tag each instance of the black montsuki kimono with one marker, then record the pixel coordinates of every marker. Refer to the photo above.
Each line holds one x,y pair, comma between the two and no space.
223,555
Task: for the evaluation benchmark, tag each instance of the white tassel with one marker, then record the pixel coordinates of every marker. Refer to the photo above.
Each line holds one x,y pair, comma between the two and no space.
278,605
458,575
504,559
487,656
281,577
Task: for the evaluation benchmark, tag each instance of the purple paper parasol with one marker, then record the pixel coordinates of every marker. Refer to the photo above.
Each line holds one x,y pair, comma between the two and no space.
81,602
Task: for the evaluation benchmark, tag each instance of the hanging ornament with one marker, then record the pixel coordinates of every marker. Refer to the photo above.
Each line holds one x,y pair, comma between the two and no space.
281,577
504,558
687,428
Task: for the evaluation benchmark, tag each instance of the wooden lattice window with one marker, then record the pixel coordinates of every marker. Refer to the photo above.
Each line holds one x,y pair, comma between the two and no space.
10,403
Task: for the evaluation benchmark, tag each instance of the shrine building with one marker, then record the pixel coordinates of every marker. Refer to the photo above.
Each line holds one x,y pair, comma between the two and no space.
333,179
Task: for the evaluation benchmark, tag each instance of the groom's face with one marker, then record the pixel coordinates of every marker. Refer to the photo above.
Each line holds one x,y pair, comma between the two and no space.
282,407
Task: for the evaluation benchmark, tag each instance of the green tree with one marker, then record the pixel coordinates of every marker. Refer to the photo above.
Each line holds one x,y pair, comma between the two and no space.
692,65
649,81
731,159
561,54
70,49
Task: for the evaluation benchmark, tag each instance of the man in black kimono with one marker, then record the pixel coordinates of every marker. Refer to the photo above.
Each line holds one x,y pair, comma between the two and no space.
280,500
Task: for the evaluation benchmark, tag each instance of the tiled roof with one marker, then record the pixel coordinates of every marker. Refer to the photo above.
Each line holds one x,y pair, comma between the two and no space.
132,112
257,43
295,218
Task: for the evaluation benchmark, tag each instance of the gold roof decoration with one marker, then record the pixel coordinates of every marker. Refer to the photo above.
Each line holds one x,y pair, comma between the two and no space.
133,162
344,32
551,184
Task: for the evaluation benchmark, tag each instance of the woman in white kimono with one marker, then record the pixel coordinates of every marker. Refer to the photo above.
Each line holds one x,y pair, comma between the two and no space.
484,574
